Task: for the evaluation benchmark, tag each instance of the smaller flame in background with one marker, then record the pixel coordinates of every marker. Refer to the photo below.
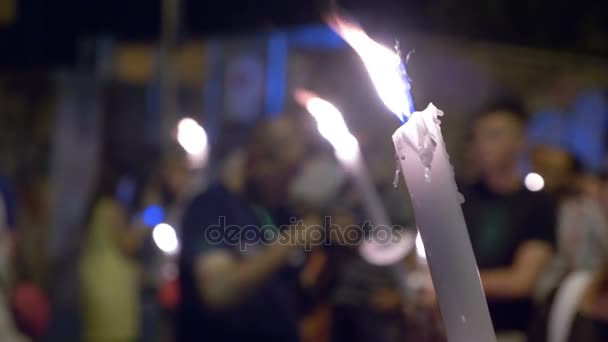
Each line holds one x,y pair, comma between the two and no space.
330,124
165,238
191,136
534,182
193,139
384,66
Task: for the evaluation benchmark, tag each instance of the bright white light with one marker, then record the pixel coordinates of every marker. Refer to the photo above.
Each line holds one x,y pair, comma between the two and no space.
347,148
420,252
390,252
192,137
534,182
165,238
383,66
330,124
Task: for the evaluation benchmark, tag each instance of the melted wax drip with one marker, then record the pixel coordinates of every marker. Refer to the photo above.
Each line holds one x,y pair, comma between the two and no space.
460,198
397,172
427,174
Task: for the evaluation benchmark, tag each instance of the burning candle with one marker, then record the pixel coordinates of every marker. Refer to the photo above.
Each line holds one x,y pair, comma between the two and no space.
332,127
425,165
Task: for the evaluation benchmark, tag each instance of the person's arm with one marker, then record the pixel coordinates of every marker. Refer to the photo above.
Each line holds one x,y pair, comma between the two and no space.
223,280
127,238
519,279
130,239
312,270
532,255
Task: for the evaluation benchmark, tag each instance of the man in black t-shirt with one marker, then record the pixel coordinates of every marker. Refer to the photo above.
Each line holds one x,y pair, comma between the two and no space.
511,228
235,280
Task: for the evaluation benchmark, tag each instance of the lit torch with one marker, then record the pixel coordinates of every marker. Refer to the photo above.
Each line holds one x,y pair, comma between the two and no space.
332,127
384,66
425,165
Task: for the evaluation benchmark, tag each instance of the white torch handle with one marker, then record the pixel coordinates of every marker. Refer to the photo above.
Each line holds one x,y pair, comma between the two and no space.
429,177
371,199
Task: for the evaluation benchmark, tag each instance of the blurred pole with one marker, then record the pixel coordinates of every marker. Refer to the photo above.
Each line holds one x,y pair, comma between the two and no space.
169,92
276,73
76,145
213,88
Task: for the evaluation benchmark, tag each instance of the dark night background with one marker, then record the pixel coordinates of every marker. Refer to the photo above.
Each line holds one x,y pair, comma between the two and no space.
87,86
46,32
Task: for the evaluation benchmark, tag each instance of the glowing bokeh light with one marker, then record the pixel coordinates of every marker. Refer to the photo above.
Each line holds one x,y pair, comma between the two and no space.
330,124
165,238
191,136
153,215
534,182
383,65
389,252
420,252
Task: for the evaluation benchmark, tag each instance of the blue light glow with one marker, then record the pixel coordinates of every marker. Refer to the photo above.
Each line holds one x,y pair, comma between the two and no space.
153,215
408,94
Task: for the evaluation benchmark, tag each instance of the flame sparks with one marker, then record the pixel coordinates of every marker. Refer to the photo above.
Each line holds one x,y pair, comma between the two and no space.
330,124
383,65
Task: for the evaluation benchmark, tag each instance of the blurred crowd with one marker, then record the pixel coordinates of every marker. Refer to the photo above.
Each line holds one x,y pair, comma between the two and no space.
232,250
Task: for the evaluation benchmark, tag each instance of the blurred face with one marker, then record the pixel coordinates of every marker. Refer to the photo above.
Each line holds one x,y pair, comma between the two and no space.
554,165
272,162
497,140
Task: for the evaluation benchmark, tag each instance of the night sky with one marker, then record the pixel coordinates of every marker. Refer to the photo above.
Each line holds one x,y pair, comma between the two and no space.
45,32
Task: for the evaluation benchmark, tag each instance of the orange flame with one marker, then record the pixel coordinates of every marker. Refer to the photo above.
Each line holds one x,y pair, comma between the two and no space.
383,65
330,124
